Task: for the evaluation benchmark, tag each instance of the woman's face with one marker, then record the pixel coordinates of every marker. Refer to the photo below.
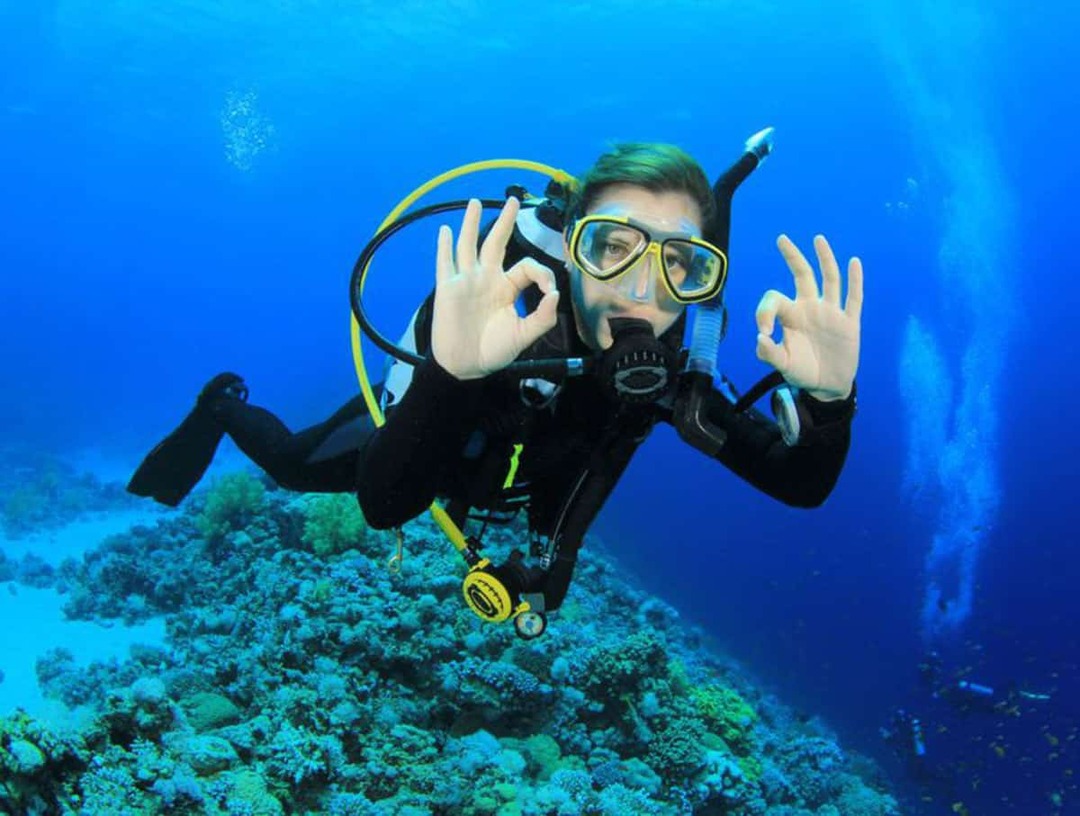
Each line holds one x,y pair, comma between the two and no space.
639,292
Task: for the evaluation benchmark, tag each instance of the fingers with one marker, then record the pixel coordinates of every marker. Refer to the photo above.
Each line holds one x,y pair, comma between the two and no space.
854,289
469,235
542,320
773,304
527,271
805,283
493,251
545,315
771,352
830,271
444,259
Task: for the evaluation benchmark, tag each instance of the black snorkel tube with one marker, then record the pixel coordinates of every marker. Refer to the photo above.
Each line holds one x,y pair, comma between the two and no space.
709,318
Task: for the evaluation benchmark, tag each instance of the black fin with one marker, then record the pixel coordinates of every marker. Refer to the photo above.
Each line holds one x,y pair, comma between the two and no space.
176,464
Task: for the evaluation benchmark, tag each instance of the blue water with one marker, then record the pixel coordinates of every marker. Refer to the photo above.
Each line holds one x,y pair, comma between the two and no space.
184,190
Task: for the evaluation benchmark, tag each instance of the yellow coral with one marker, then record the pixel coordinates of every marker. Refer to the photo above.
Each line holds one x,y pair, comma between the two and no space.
725,713
231,504
333,524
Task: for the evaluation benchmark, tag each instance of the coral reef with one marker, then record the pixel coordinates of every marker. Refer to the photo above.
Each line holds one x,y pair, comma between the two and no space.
39,491
302,676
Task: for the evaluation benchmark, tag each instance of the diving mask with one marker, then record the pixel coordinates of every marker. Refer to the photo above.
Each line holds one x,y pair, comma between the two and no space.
608,246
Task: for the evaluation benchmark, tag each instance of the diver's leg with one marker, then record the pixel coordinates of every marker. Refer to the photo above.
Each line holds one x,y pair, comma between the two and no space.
319,459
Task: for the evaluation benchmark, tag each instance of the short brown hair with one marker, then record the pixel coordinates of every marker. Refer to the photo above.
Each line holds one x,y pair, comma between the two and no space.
655,166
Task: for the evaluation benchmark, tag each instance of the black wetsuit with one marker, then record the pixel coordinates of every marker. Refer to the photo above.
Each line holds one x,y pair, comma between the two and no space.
319,459
457,441
453,440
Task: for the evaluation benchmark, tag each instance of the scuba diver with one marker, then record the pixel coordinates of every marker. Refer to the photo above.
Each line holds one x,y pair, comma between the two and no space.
967,696
947,755
936,778
551,346
904,734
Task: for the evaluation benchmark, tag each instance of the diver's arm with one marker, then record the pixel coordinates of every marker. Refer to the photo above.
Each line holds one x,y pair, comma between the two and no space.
400,464
431,412
428,417
801,475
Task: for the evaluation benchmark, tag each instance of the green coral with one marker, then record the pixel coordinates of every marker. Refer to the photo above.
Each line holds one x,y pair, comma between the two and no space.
498,800
506,791
620,670
207,711
321,591
247,793
725,713
751,768
232,503
679,678
402,760
677,751
541,752
333,524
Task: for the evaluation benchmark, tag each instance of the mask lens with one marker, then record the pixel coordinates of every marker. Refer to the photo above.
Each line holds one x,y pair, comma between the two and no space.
693,271
606,248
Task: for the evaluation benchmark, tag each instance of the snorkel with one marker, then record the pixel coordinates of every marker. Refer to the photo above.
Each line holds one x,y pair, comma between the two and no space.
709,317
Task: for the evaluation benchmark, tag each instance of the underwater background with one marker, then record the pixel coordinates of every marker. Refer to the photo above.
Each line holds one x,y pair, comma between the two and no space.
184,190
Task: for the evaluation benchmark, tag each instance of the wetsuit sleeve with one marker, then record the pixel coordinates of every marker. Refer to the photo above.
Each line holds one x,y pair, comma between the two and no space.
401,464
430,415
801,475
